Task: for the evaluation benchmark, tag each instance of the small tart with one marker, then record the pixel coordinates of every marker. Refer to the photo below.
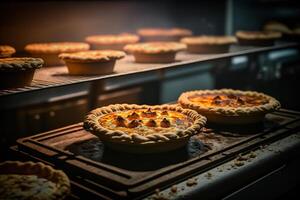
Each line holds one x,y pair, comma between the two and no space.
113,42
227,106
18,72
163,34
208,44
91,62
29,180
257,38
155,52
50,51
275,26
143,128
6,51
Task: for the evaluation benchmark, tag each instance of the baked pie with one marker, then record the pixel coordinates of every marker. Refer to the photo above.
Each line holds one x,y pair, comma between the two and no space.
257,38
227,106
163,34
143,128
155,52
6,51
288,34
29,180
91,62
18,72
49,51
208,44
112,42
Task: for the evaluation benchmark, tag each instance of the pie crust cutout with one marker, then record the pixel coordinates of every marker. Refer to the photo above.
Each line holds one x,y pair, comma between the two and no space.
227,106
142,128
29,180
163,34
155,52
257,38
208,44
18,72
49,51
111,42
91,62
6,51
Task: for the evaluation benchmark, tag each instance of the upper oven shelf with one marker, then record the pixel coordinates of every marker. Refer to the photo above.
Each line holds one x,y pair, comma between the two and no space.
49,77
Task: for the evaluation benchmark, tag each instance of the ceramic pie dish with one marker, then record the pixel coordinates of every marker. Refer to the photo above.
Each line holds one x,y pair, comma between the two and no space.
155,52
6,51
208,44
49,51
163,34
144,129
29,180
18,72
257,38
227,106
111,42
94,62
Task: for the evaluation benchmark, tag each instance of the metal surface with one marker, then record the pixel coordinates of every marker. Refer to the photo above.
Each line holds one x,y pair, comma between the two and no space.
49,77
119,175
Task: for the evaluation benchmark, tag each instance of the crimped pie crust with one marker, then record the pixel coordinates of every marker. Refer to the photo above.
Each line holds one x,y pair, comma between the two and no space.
208,40
112,39
92,124
164,32
272,104
58,177
155,47
92,56
19,64
56,47
6,50
258,35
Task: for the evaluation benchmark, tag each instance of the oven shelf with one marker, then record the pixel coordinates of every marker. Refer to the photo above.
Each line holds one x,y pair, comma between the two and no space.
49,77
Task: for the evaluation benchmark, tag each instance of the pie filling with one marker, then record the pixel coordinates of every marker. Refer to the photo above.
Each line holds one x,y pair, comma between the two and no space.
228,100
145,121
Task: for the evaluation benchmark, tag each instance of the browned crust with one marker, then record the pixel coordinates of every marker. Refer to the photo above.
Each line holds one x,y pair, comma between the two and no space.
18,64
91,124
92,56
56,47
258,35
41,170
225,112
6,51
208,40
155,47
112,39
164,32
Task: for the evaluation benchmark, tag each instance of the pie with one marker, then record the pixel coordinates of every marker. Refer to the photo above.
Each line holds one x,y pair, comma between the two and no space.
227,106
155,52
208,44
18,72
257,38
111,42
275,26
143,128
49,51
163,34
29,180
91,62
6,51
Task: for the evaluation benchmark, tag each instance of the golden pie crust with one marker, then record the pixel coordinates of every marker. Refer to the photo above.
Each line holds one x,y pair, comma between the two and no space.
274,26
163,34
208,44
91,62
18,72
227,106
143,128
29,180
49,51
6,51
112,42
257,38
155,52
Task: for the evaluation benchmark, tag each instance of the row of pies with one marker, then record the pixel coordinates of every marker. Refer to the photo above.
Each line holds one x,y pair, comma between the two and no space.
149,129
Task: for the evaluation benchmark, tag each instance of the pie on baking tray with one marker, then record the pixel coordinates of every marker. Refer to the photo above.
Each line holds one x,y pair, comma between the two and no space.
142,128
227,106
29,180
